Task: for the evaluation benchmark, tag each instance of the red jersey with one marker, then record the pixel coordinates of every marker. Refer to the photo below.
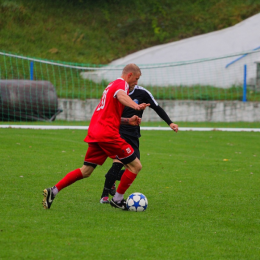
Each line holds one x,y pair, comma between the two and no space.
106,119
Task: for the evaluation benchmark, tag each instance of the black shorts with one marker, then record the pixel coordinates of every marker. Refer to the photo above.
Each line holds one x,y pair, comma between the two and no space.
134,142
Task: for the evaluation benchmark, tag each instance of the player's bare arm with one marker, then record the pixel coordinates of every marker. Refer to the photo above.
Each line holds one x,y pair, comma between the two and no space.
134,120
124,99
143,106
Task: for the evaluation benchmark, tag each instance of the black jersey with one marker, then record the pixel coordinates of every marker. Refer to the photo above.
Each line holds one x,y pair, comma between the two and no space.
141,95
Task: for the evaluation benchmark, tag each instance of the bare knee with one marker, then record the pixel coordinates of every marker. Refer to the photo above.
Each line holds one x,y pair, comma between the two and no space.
139,167
134,166
86,170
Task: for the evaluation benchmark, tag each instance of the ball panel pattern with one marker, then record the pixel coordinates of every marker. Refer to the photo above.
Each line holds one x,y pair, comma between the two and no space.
137,202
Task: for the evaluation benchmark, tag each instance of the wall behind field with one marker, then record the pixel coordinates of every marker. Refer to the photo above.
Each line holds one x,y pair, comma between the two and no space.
181,111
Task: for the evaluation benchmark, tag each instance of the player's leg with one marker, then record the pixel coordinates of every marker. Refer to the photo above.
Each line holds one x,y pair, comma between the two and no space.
115,173
73,176
112,175
132,169
128,176
124,152
94,156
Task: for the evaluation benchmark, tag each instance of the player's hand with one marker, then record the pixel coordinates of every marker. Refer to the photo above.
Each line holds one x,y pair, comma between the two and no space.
142,106
174,127
134,120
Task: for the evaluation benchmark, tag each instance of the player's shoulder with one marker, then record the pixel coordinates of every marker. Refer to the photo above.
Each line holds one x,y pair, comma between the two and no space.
143,90
119,83
146,94
137,87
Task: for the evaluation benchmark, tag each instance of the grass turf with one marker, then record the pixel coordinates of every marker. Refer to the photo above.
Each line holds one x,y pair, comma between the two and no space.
200,205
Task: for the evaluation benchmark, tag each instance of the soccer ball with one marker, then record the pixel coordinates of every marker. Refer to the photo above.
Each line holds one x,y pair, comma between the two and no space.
136,202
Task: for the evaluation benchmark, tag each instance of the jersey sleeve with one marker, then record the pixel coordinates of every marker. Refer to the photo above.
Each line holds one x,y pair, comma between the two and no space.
162,114
150,99
155,106
121,85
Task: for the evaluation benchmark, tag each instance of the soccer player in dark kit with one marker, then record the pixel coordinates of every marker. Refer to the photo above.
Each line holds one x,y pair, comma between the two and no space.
132,134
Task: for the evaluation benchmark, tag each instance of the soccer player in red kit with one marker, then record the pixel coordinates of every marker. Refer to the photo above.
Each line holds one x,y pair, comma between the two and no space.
104,140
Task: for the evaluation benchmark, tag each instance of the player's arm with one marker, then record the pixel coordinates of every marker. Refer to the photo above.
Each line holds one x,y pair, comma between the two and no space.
163,115
124,99
134,120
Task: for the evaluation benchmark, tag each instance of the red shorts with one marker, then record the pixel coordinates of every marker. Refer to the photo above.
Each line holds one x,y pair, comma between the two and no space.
98,152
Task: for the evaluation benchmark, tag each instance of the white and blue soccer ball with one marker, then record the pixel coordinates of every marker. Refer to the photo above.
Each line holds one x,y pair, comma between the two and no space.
137,202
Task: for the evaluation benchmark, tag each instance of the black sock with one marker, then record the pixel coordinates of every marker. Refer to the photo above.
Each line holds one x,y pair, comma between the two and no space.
111,177
118,178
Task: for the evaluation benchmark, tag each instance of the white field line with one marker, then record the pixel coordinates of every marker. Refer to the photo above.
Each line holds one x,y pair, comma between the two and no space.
46,127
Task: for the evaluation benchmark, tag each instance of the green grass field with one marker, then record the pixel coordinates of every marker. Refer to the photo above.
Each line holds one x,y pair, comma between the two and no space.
200,205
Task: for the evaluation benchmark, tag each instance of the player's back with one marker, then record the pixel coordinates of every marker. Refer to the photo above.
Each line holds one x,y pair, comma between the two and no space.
105,122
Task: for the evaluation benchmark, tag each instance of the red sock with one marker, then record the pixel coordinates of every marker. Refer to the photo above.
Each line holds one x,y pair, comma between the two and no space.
70,178
126,180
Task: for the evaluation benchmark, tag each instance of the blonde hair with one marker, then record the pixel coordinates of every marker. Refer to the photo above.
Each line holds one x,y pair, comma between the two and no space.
131,68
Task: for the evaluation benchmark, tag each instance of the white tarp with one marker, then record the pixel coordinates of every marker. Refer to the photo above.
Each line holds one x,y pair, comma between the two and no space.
159,68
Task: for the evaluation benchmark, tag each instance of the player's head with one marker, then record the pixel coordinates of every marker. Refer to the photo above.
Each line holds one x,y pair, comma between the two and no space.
131,74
